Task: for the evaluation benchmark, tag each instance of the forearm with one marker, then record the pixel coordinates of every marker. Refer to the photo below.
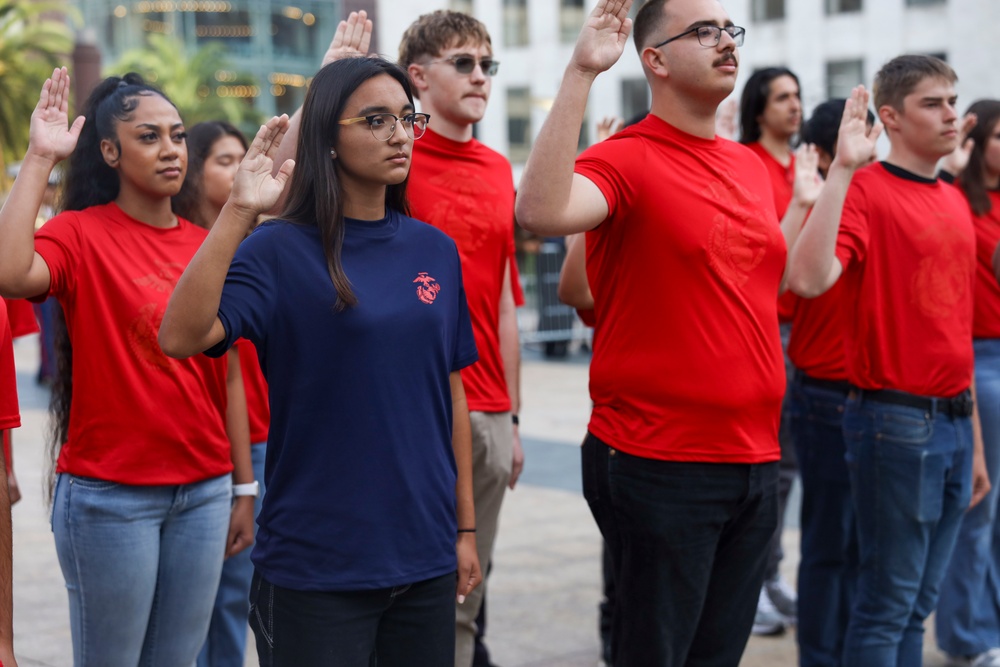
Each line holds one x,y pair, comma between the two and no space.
574,288
791,228
17,226
461,442
510,343
189,324
6,564
238,421
813,266
543,197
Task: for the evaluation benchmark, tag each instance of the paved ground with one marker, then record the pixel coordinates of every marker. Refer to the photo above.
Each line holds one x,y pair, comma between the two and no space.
546,579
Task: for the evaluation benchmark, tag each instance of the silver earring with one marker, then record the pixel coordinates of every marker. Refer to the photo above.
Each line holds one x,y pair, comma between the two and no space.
333,154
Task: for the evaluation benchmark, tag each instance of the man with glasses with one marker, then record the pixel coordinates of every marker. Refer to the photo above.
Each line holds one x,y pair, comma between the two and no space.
467,190
680,465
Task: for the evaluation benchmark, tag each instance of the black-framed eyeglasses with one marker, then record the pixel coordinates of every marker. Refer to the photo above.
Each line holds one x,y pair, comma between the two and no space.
465,64
710,35
383,125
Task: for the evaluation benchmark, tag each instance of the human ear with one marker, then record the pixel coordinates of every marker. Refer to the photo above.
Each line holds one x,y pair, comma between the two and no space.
110,153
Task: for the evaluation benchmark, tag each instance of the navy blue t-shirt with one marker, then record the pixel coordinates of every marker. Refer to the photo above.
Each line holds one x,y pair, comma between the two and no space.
360,470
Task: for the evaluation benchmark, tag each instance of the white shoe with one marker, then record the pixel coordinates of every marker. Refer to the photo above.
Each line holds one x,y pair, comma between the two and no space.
783,597
768,620
990,658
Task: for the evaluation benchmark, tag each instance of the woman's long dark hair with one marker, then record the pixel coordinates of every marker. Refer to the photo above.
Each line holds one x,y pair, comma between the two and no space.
754,100
200,140
89,181
973,179
315,194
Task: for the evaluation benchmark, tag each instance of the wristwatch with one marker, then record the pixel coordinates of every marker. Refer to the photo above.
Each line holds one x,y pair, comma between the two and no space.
250,489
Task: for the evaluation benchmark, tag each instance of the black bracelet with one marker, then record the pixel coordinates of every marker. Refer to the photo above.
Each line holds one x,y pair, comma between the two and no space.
513,418
466,530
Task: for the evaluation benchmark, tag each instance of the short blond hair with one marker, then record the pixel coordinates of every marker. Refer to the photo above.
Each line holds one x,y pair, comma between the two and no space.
432,33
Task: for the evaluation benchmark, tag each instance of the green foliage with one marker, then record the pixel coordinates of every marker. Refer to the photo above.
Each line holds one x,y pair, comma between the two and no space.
33,41
193,83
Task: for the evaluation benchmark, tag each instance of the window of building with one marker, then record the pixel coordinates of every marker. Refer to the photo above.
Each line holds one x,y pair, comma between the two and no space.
635,98
572,14
519,123
768,10
233,28
842,6
842,76
515,22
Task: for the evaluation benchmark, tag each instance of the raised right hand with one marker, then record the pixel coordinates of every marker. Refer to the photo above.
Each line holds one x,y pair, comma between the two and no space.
254,189
49,137
855,144
352,39
603,37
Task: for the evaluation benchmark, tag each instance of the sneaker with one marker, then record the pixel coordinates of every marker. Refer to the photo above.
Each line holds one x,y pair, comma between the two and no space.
989,659
768,621
784,598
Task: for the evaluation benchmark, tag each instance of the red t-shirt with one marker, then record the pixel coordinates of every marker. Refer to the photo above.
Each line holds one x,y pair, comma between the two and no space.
467,191
22,318
986,318
10,416
908,248
816,345
255,386
685,272
782,186
137,416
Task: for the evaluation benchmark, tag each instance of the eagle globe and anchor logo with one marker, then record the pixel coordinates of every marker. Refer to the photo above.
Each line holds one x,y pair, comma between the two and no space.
428,287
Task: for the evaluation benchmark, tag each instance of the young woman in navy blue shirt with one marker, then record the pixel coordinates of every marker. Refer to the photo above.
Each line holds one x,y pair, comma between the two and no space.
360,321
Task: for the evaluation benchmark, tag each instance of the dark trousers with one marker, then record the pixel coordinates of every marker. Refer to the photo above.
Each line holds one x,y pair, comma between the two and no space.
389,627
688,544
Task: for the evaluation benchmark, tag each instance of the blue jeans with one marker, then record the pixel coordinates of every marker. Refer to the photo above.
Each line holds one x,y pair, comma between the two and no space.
141,565
828,569
227,634
967,621
688,544
403,626
911,480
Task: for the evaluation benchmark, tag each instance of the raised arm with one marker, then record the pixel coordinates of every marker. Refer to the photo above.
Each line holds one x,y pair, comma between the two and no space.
191,323
552,200
813,267
806,190
23,272
352,40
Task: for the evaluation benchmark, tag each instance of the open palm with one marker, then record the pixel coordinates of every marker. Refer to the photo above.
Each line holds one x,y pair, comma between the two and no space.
50,136
254,188
604,36
855,144
352,39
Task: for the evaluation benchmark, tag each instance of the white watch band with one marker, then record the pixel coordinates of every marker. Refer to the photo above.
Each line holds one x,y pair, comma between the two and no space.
251,489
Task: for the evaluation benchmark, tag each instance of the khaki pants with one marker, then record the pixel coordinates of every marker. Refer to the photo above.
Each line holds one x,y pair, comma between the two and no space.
492,454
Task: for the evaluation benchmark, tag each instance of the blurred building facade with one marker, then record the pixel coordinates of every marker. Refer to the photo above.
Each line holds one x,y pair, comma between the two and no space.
832,45
279,42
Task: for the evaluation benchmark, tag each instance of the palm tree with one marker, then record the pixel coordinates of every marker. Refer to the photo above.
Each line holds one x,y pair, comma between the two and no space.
32,42
203,85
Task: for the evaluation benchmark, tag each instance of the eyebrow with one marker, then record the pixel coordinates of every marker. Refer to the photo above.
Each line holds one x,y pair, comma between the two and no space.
152,126
706,22
368,111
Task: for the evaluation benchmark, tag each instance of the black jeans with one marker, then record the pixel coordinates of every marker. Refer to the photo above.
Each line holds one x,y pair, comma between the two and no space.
688,544
389,627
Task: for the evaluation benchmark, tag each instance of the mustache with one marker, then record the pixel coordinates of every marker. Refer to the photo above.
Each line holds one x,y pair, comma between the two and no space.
727,57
